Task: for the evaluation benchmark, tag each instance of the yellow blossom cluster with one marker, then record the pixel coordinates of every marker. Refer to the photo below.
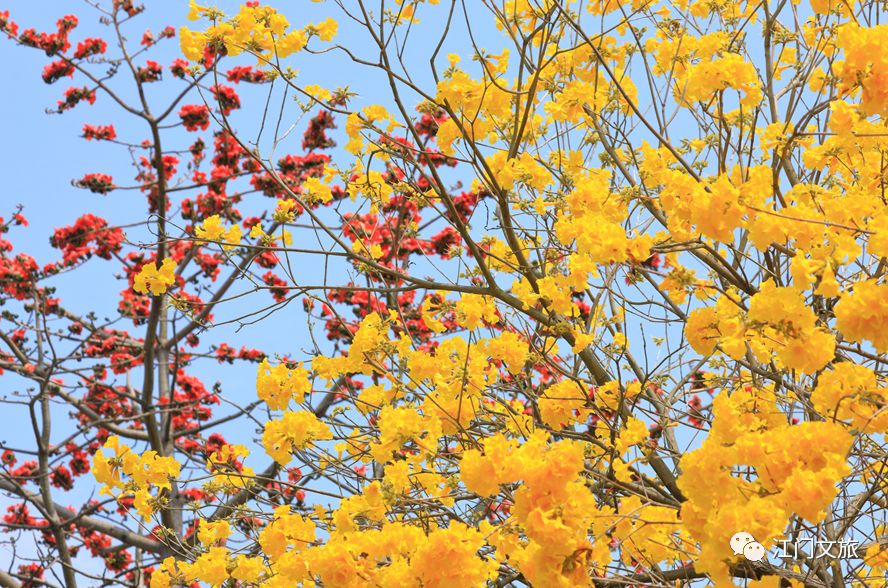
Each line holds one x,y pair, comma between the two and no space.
553,511
456,430
118,467
864,68
753,471
778,322
260,30
592,204
295,430
212,230
156,280
861,315
701,67
215,566
850,392
279,384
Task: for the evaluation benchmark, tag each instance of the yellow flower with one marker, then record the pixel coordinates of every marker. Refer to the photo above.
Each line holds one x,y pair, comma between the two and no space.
611,394
563,404
850,392
509,348
214,532
106,469
317,191
195,10
248,569
192,43
154,279
212,566
278,385
862,315
472,309
327,29
286,530
294,431
212,230
292,42
399,424
701,330
482,473
634,433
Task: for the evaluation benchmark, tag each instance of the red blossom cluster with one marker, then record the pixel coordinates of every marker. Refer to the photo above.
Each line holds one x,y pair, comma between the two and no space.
89,47
148,38
31,575
178,68
56,70
51,43
88,236
18,276
150,72
129,7
226,98
276,285
195,116
190,404
123,352
245,73
105,355
134,306
97,183
27,472
226,353
315,136
111,402
7,26
74,96
99,132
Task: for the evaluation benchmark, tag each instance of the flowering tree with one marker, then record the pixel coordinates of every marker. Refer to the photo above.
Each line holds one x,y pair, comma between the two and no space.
601,306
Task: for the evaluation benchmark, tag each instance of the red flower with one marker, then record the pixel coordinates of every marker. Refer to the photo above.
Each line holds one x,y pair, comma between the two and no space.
97,183
31,575
61,478
169,166
128,7
178,68
195,116
226,97
18,276
88,236
56,70
6,25
443,242
151,72
245,73
89,47
73,96
99,133
315,136
67,23
18,514
277,286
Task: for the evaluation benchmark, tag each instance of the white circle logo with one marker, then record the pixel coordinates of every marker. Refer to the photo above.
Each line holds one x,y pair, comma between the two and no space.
739,541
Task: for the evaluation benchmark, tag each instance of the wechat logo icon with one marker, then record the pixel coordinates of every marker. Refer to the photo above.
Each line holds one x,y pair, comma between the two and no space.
744,544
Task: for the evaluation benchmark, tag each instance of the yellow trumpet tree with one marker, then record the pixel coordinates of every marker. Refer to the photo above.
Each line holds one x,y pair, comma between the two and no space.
616,274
